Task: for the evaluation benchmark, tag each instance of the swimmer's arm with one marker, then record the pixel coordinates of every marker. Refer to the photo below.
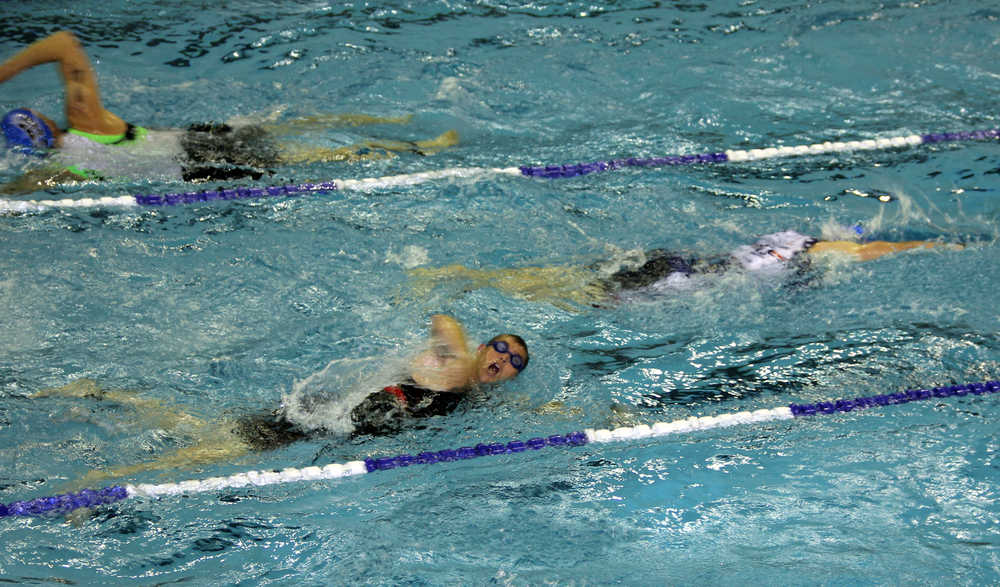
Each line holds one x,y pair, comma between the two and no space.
871,250
448,336
84,110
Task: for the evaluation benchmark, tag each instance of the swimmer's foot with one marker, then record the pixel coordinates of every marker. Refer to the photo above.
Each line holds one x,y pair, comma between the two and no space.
442,141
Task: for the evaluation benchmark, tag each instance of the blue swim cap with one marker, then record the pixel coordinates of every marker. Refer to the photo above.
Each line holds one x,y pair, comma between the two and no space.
26,132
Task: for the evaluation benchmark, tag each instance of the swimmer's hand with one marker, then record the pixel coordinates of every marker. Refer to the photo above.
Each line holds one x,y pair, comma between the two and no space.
80,516
621,416
558,408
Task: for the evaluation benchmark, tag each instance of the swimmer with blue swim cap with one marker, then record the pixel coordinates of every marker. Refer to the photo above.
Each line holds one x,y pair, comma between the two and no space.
98,144
27,132
84,110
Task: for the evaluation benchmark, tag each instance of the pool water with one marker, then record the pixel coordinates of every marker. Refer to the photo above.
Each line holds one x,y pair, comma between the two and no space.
225,308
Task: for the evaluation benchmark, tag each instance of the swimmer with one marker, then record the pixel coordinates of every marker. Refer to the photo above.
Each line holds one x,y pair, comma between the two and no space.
439,378
658,271
98,144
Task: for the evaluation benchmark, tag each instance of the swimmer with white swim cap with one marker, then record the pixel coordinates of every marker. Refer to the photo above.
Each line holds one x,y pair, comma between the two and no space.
659,272
439,379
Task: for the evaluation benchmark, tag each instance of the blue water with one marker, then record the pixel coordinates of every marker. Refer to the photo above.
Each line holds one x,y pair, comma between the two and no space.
220,308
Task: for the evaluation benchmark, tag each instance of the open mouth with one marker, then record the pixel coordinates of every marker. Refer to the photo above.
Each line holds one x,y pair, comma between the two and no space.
493,369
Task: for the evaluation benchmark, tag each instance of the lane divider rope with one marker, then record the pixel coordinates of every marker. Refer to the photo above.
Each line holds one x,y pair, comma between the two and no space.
479,173
91,497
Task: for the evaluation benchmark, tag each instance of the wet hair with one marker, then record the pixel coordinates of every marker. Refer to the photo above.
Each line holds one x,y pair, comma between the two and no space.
518,340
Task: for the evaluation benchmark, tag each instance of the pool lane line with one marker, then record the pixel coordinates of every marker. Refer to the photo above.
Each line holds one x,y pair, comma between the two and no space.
90,497
479,173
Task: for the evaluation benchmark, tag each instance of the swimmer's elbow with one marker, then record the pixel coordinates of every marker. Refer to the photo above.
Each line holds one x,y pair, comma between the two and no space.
65,36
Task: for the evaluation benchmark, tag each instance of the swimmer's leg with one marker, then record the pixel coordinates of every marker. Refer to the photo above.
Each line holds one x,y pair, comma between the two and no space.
562,286
292,153
214,441
152,412
322,121
218,444
443,141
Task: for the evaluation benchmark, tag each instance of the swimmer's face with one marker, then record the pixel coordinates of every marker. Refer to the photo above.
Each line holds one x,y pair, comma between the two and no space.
493,366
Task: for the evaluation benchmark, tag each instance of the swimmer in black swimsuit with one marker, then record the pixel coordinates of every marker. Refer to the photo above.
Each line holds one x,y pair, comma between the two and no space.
381,413
439,380
389,410
658,271
97,143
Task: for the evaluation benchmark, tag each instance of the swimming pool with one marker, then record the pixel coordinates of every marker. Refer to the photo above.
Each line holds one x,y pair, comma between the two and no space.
222,307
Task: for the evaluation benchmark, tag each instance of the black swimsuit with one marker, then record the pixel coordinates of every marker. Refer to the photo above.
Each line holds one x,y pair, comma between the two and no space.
388,410
268,431
659,265
381,413
218,152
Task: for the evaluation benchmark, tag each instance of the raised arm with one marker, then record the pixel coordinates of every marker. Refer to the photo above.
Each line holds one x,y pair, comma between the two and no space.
446,332
84,110
446,365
